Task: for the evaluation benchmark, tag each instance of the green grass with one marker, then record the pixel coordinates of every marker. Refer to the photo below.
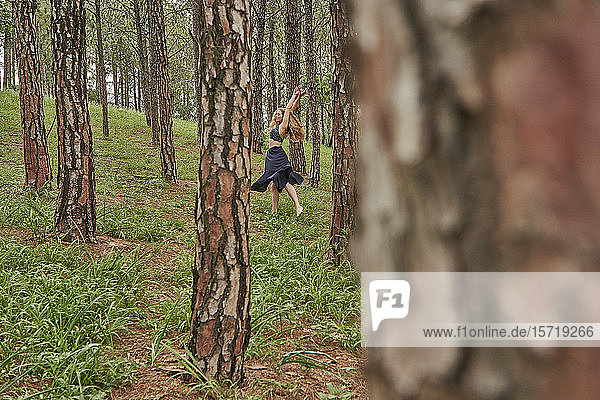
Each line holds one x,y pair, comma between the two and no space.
64,309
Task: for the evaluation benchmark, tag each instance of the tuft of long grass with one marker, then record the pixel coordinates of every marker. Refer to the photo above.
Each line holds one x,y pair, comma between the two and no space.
62,309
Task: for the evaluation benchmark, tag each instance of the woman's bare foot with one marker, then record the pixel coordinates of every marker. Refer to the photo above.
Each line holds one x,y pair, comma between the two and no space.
299,211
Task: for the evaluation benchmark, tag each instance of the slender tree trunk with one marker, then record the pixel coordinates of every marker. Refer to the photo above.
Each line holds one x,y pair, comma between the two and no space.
220,323
345,131
489,164
292,61
153,89
143,57
123,78
7,58
311,111
75,216
274,98
115,79
101,71
160,71
196,27
37,162
257,88
127,87
140,93
323,136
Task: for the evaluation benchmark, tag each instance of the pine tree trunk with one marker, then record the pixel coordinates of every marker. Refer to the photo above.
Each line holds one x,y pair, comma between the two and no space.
220,323
140,93
489,164
7,58
274,97
292,66
345,131
115,80
75,216
123,72
134,90
196,27
257,85
44,82
127,87
309,37
101,71
143,59
37,162
158,50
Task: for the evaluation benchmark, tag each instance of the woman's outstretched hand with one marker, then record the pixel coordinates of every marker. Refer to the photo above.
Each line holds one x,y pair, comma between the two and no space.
299,92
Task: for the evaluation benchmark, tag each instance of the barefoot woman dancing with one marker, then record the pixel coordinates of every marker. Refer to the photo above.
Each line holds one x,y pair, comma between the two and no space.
278,170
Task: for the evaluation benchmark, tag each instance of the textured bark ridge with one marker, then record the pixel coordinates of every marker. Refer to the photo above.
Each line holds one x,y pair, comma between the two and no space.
158,49
101,72
220,324
75,217
257,86
478,153
143,57
345,130
274,98
309,37
292,70
37,162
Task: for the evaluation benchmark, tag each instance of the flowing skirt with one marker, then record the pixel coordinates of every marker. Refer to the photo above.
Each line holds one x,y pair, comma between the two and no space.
278,170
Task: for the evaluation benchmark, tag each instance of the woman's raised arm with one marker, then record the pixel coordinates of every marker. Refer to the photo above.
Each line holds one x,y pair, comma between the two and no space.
291,106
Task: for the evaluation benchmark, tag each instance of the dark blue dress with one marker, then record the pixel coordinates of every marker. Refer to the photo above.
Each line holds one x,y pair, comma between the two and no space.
277,168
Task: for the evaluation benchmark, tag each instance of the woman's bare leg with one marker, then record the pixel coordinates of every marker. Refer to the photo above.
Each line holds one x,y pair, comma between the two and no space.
292,192
274,198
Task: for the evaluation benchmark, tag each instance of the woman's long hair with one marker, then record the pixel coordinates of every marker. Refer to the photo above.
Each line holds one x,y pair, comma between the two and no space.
295,129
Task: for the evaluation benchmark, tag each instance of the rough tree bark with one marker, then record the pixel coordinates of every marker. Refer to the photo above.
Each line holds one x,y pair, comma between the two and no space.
274,97
478,154
220,324
345,130
37,162
158,49
153,98
100,70
292,68
257,75
75,216
309,37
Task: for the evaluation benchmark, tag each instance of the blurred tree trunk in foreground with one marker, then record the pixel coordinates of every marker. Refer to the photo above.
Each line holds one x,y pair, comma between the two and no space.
220,323
35,147
75,216
480,151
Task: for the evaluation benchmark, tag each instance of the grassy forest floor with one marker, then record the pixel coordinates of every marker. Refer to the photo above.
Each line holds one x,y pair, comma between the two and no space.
110,320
